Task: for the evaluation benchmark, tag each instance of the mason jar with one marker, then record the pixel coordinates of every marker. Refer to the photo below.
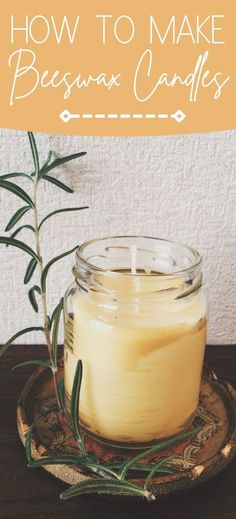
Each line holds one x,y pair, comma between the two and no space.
136,316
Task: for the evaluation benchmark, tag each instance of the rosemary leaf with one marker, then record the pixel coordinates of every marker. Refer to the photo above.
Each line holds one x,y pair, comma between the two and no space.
30,270
16,217
32,362
30,227
58,183
156,469
67,209
19,245
141,468
52,317
74,411
63,459
13,175
105,486
32,297
56,329
16,190
48,160
34,151
138,469
48,266
61,160
5,346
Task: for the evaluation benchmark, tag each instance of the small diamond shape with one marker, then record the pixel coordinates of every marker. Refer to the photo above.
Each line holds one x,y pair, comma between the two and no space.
65,116
179,116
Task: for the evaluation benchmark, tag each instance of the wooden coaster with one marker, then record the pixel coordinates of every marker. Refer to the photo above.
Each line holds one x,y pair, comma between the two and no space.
197,458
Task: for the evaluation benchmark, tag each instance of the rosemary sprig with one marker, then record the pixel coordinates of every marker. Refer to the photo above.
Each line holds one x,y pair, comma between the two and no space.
39,175
107,486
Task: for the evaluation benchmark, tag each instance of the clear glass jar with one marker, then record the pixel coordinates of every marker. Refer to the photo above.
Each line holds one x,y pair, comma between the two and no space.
136,317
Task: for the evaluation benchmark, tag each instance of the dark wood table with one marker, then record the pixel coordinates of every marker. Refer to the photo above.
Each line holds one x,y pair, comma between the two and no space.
32,493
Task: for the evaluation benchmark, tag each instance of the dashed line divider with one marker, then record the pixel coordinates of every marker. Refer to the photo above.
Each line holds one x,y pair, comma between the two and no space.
66,116
122,116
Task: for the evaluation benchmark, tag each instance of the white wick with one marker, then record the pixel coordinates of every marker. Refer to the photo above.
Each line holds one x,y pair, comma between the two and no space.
133,255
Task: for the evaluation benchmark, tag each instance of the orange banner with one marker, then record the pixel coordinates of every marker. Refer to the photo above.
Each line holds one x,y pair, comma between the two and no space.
118,68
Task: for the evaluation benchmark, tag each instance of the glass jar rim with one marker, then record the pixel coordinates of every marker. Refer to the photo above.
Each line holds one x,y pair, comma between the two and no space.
197,258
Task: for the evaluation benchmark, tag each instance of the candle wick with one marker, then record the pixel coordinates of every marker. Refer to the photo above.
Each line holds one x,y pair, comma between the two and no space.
133,255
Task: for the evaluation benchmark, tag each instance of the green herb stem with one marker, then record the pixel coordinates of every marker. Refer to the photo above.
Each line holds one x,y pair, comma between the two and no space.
43,292
155,469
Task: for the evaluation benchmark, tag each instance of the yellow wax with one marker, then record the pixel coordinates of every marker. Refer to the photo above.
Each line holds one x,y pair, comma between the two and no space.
141,368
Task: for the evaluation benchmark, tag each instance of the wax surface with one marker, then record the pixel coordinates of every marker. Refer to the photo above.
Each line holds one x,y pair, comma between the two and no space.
141,366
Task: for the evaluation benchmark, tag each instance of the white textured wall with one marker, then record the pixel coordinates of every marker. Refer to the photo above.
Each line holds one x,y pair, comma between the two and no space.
182,188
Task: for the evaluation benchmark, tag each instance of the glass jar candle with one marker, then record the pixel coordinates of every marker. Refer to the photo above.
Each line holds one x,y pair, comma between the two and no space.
136,317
